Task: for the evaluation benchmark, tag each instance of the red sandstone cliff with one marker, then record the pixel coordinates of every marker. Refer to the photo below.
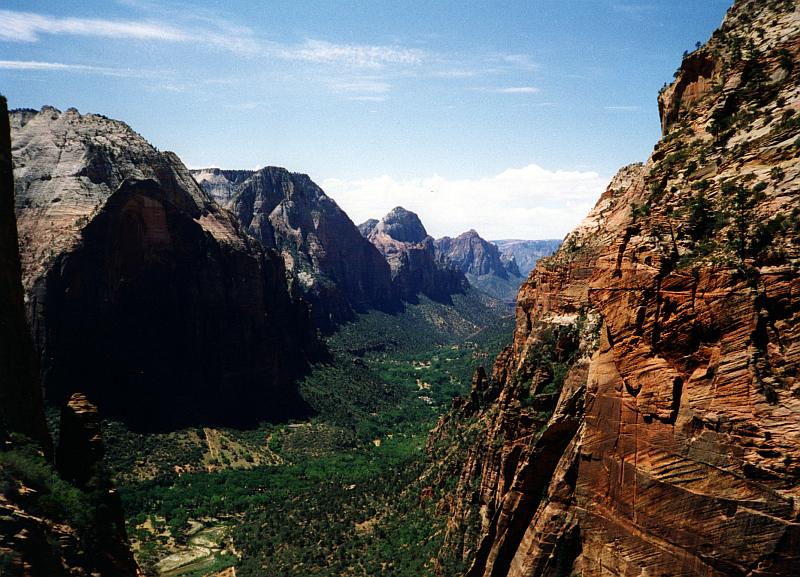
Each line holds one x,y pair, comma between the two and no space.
646,418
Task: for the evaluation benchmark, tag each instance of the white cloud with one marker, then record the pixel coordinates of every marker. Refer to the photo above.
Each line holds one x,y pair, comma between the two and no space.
35,65
522,61
368,98
82,68
530,202
27,27
351,55
516,90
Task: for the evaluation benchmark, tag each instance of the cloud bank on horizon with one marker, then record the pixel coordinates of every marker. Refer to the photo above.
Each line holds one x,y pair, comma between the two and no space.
528,203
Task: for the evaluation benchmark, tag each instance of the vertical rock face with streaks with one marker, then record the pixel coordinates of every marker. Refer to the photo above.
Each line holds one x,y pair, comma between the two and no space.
142,292
329,263
646,418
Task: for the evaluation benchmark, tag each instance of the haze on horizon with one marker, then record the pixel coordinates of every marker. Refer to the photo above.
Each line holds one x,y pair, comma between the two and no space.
508,119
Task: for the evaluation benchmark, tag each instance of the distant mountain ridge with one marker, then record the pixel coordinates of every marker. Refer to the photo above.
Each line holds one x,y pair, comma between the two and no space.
527,253
482,263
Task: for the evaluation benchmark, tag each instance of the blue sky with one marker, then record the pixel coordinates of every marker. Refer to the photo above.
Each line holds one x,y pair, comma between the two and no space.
507,117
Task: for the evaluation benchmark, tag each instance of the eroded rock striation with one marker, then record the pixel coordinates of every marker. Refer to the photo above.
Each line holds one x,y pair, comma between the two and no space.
142,292
411,253
646,418
329,263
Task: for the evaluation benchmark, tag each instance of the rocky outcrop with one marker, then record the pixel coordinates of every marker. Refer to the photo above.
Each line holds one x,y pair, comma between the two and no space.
365,228
329,263
144,294
80,444
482,264
402,240
645,419
526,253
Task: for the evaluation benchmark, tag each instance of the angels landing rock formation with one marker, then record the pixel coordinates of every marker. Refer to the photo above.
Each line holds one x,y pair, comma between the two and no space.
646,418
329,263
142,293
482,264
402,240
49,524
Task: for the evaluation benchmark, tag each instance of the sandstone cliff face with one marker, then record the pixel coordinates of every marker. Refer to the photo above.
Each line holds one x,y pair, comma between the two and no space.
328,262
411,254
142,292
646,418
482,264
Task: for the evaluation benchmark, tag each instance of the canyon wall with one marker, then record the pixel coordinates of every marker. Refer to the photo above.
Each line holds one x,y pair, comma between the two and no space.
646,418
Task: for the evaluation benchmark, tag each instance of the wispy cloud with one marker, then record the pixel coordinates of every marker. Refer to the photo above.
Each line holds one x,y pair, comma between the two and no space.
351,55
522,61
527,202
368,98
28,27
81,68
456,73
514,90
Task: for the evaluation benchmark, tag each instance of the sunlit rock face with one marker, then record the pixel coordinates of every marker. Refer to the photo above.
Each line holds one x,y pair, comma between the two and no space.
329,264
646,418
142,292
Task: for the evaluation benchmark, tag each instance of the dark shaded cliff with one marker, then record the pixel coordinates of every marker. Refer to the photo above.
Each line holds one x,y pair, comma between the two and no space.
143,293
645,419
21,407
329,263
49,526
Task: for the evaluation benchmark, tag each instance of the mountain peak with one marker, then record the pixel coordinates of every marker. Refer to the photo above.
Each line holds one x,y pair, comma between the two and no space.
402,225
